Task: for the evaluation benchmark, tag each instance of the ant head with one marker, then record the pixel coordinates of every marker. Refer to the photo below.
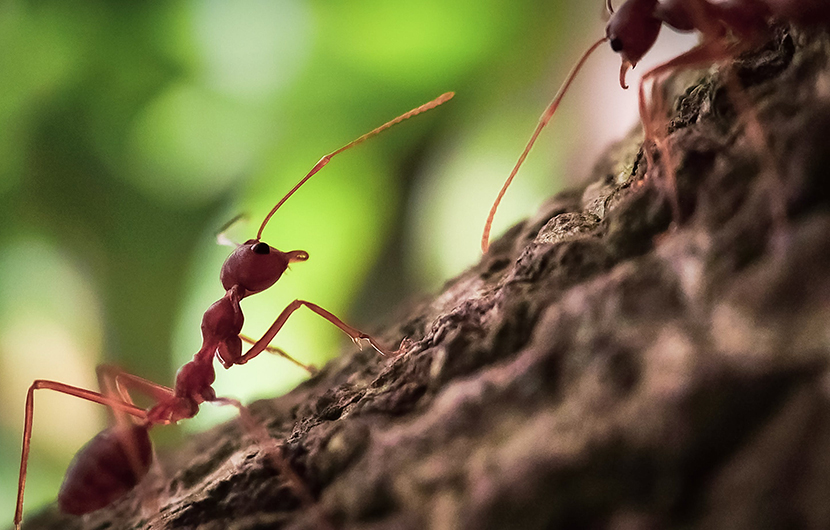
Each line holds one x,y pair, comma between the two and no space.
632,30
255,266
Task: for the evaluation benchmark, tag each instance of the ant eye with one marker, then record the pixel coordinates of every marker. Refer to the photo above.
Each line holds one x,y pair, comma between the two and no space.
616,44
261,248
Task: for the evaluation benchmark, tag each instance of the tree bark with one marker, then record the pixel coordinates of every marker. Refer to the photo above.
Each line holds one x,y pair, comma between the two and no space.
608,364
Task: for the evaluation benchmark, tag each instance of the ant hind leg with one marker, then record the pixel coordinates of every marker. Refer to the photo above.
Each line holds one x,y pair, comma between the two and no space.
274,453
652,112
89,395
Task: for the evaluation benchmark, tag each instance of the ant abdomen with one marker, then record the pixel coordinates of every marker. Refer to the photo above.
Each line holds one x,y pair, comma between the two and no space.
105,469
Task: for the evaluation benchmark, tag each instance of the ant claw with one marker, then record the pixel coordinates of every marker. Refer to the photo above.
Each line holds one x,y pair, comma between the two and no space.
406,343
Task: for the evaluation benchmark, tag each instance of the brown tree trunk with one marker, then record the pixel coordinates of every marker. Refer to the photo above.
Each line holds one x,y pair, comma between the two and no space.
601,367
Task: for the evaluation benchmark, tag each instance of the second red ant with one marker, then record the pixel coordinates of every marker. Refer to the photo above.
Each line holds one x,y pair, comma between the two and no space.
119,457
727,28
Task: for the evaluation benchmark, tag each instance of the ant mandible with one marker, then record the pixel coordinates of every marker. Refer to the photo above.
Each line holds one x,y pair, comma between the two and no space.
727,28
116,459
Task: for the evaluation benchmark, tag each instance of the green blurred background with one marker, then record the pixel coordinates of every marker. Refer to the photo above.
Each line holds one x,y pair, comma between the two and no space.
130,132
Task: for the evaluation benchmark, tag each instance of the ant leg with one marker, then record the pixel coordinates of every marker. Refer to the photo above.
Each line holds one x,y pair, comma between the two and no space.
88,395
274,451
710,52
282,353
111,377
355,334
108,382
113,380
116,379
770,167
272,448
704,53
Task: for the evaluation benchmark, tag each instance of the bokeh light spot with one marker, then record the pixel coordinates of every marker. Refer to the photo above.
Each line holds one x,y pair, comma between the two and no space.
251,48
189,145
50,328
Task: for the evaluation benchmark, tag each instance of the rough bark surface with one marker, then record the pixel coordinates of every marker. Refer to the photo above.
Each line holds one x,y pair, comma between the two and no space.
599,368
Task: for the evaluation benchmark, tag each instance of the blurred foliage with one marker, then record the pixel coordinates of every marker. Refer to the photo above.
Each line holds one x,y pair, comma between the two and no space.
130,132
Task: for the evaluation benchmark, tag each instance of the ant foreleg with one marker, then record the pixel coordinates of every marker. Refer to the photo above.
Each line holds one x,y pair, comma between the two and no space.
282,353
710,51
82,393
355,334
770,166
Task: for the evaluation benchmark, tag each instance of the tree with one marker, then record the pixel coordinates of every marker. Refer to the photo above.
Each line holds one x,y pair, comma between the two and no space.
604,365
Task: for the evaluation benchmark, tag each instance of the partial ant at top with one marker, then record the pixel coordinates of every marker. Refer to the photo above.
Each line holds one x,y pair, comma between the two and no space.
727,28
117,459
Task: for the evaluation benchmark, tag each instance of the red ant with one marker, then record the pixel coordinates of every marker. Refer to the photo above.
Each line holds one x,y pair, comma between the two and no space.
117,459
727,28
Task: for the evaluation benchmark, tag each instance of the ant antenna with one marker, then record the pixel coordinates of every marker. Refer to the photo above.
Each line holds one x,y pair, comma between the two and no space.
609,7
221,236
543,120
325,160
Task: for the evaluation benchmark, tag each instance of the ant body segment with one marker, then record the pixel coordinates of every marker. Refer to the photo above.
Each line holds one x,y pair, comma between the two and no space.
119,457
727,28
